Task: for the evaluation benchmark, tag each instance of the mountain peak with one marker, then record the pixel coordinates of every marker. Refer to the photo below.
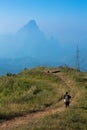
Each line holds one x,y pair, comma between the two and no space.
32,23
30,27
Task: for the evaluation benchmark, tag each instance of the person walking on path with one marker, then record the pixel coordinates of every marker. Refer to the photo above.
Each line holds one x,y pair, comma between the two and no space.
67,98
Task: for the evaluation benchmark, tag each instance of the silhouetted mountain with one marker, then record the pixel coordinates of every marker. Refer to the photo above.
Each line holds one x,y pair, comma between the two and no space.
30,42
30,27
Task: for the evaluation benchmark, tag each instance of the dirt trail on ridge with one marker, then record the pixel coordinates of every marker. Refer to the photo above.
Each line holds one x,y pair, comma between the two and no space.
69,84
48,111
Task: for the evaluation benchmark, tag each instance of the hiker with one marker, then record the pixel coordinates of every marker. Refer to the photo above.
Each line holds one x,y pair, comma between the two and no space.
67,99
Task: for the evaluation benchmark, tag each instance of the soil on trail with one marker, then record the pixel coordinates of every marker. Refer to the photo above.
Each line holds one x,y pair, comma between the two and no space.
69,84
24,119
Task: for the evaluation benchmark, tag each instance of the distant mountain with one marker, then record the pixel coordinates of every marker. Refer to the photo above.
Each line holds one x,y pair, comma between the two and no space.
16,51
29,28
29,41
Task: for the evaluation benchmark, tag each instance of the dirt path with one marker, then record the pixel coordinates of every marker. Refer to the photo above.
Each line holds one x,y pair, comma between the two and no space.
23,120
69,84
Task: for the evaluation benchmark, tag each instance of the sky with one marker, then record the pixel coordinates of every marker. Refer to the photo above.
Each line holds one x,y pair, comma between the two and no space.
65,20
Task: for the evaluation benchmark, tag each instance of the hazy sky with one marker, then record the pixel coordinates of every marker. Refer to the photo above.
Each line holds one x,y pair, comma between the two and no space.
64,19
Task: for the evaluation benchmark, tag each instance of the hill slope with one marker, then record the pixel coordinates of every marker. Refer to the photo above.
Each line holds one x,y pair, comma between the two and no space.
46,109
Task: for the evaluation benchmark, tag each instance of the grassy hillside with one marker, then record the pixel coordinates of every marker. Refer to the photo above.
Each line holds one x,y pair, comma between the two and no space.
36,90
30,91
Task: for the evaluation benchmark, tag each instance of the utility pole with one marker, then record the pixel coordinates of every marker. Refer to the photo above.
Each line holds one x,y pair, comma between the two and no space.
77,59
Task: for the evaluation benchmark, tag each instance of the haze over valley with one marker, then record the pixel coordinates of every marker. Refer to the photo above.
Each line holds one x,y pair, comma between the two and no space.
30,47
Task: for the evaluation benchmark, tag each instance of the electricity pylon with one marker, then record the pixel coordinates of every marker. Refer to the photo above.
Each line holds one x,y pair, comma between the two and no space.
77,59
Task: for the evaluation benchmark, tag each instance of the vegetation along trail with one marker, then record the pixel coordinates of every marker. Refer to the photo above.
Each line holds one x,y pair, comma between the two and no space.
48,111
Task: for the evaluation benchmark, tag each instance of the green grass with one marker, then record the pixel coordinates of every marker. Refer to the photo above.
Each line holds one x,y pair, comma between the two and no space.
74,118
30,91
35,90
